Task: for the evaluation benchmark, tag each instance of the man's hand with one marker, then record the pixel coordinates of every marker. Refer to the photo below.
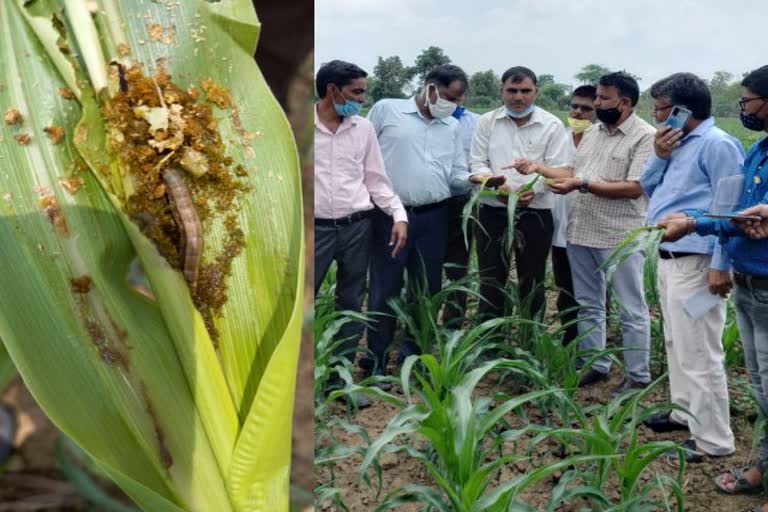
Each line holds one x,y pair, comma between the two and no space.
505,198
525,166
667,140
565,185
755,228
720,282
399,237
526,198
491,180
676,225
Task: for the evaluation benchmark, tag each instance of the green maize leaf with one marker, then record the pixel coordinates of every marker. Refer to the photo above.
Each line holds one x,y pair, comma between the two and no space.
7,369
137,382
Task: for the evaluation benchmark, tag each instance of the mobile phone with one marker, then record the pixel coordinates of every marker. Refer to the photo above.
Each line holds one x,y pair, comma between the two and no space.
732,216
678,117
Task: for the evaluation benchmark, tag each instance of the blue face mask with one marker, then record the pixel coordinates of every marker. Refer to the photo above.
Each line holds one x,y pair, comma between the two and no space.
458,112
518,115
348,109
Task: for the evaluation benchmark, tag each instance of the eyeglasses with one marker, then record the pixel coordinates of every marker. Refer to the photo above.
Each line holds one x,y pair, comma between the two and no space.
744,101
661,109
583,108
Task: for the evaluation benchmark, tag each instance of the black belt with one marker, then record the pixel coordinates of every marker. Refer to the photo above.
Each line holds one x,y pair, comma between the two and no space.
669,255
749,281
345,221
425,207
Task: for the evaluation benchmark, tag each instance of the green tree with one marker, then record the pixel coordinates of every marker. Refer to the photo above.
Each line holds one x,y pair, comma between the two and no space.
428,59
546,79
483,89
389,78
553,96
725,93
591,73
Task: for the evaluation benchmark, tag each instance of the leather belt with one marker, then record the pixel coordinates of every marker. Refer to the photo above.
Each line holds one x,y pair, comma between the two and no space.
425,207
345,221
669,255
749,281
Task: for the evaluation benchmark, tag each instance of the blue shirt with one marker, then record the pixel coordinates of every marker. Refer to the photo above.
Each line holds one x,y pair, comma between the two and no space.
467,121
424,158
748,256
688,180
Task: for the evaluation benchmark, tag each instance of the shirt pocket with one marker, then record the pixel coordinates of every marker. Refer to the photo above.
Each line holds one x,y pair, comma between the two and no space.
441,148
535,151
616,168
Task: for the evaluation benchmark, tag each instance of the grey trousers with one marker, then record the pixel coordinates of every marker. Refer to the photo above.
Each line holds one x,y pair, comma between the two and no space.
752,318
350,246
589,286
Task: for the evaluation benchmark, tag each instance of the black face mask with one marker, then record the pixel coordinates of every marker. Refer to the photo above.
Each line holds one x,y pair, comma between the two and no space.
752,122
608,115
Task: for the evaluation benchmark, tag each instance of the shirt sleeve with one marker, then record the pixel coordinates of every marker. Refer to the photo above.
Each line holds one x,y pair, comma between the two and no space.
719,160
559,152
653,172
377,182
643,151
460,183
479,161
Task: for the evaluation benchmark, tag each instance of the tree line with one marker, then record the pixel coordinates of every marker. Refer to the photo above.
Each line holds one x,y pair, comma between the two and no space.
393,79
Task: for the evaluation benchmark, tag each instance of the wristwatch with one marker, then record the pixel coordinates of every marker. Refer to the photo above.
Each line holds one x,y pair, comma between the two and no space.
584,187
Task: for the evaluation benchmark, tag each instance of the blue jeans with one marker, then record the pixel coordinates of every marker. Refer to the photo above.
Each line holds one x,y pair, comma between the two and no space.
422,257
752,318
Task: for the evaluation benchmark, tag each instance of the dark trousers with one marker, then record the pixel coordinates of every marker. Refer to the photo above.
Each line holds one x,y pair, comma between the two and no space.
566,303
532,241
422,257
456,260
349,245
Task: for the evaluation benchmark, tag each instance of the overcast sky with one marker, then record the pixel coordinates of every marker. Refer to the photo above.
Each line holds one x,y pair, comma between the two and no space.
650,38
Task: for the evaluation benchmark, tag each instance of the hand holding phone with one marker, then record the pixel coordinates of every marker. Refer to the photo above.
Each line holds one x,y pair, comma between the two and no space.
733,216
678,117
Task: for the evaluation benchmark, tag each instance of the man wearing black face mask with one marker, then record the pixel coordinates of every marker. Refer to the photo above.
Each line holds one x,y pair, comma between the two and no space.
608,164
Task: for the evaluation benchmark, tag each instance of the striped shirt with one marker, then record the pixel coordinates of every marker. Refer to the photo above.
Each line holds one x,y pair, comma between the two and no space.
605,157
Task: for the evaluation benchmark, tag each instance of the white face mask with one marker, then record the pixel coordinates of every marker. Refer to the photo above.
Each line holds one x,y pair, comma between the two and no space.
441,108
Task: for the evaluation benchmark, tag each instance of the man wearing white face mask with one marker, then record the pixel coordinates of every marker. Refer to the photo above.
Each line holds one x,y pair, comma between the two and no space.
518,130
425,160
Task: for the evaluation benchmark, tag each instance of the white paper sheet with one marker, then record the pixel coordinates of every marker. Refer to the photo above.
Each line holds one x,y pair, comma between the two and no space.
727,194
701,302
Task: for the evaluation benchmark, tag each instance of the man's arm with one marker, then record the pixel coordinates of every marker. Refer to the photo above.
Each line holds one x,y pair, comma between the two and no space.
479,161
378,183
460,183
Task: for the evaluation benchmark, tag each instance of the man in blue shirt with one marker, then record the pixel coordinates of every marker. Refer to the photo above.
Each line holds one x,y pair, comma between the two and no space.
749,257
683,174
425,160
457,250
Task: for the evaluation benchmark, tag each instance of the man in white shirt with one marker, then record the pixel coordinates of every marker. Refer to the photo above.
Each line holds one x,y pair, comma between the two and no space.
349,178
517,130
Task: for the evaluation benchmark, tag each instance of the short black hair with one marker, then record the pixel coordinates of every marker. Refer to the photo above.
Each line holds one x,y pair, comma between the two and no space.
624,82
518,74
445,75
686,90
585,91
338,73
757,81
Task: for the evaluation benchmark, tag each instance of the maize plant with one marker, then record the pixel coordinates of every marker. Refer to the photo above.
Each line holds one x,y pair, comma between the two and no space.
151,244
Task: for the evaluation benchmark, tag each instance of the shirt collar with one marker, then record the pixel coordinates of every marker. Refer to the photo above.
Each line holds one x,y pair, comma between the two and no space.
410,107
346,123
703,127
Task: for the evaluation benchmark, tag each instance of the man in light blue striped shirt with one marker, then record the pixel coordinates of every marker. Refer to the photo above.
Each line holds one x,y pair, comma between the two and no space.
683,174
425,160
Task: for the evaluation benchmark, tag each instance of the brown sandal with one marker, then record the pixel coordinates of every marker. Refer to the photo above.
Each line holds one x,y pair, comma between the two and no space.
741,484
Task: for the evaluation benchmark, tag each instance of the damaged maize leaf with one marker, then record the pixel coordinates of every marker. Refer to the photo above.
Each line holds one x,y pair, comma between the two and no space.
169,154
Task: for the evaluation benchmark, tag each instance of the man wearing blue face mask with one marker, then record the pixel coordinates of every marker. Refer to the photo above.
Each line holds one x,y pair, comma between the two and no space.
519,130
349,179
424,158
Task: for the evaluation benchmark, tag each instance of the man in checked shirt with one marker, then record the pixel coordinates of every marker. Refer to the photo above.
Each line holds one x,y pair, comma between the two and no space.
349,179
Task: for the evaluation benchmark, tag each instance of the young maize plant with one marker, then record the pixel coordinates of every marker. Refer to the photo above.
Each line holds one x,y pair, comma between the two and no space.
141,135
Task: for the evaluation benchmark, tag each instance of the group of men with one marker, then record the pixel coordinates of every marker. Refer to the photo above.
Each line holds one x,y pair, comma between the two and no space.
389,191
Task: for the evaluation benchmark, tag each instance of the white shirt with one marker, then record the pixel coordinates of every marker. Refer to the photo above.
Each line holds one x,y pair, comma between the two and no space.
498,141
563,205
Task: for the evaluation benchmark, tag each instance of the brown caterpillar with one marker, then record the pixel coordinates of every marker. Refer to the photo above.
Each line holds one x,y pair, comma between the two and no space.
186,217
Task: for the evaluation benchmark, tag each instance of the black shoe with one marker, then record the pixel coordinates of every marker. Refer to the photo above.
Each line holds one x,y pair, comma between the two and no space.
692,455
662,422
627,385
358,400
384,386
591,377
